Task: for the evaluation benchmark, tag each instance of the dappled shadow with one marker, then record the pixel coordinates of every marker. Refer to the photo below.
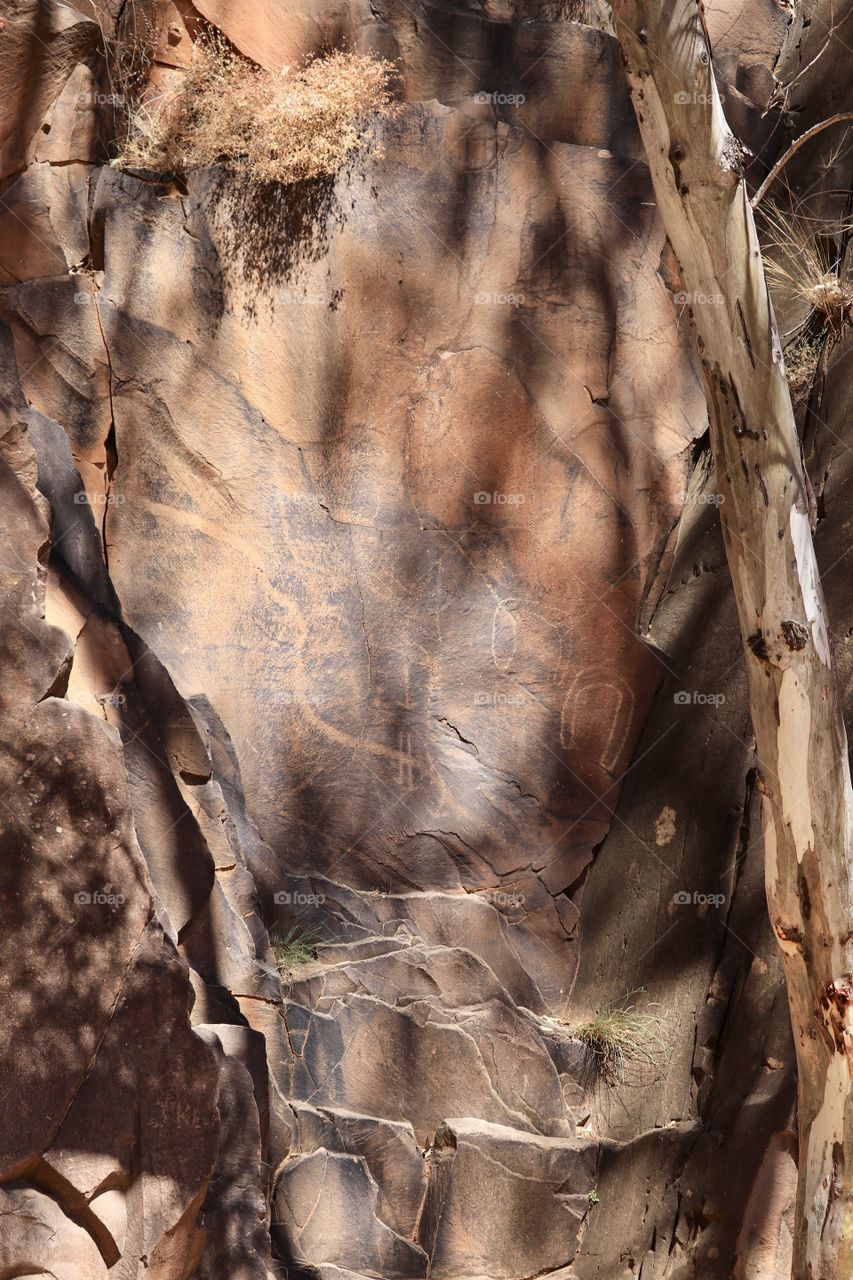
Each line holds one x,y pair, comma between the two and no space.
674,909
432,694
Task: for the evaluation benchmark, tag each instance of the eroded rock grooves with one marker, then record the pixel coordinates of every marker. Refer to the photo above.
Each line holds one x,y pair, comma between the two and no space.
362,575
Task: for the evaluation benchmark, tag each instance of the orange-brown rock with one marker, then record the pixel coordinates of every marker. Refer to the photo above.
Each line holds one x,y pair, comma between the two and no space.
362,577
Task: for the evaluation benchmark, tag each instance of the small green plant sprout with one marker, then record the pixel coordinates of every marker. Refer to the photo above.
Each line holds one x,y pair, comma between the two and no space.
592,1196
620,1036
293,948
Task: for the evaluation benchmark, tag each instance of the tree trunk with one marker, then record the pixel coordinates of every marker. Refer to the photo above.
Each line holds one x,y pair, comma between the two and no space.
696,167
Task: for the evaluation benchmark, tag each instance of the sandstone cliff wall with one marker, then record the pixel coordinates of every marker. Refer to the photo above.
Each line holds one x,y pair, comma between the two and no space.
362,575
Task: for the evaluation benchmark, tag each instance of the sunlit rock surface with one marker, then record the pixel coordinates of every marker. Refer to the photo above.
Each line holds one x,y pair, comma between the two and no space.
345,593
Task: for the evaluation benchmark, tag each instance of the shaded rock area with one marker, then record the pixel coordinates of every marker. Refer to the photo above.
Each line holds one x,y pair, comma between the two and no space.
363,584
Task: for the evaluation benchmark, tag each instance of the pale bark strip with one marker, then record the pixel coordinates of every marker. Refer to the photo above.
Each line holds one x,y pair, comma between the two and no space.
695,164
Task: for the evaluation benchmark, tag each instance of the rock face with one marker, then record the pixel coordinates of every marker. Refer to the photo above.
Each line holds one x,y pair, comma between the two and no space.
110,1130
363,584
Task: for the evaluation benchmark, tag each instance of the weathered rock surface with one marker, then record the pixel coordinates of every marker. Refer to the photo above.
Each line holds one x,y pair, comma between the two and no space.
37,1235
235,1214
343,594
116,1125
505,1203
326,1214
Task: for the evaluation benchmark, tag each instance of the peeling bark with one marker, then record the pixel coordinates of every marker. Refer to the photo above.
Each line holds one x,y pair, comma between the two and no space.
696,167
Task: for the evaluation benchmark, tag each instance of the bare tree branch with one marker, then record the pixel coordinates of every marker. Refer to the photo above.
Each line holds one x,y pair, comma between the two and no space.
794,147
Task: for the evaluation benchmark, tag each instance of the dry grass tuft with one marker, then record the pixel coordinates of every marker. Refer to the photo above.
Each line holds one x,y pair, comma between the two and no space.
619,1037
285,126
803,266
293,948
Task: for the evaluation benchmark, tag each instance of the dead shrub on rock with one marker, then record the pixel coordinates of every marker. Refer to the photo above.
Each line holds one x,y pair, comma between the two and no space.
282,126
